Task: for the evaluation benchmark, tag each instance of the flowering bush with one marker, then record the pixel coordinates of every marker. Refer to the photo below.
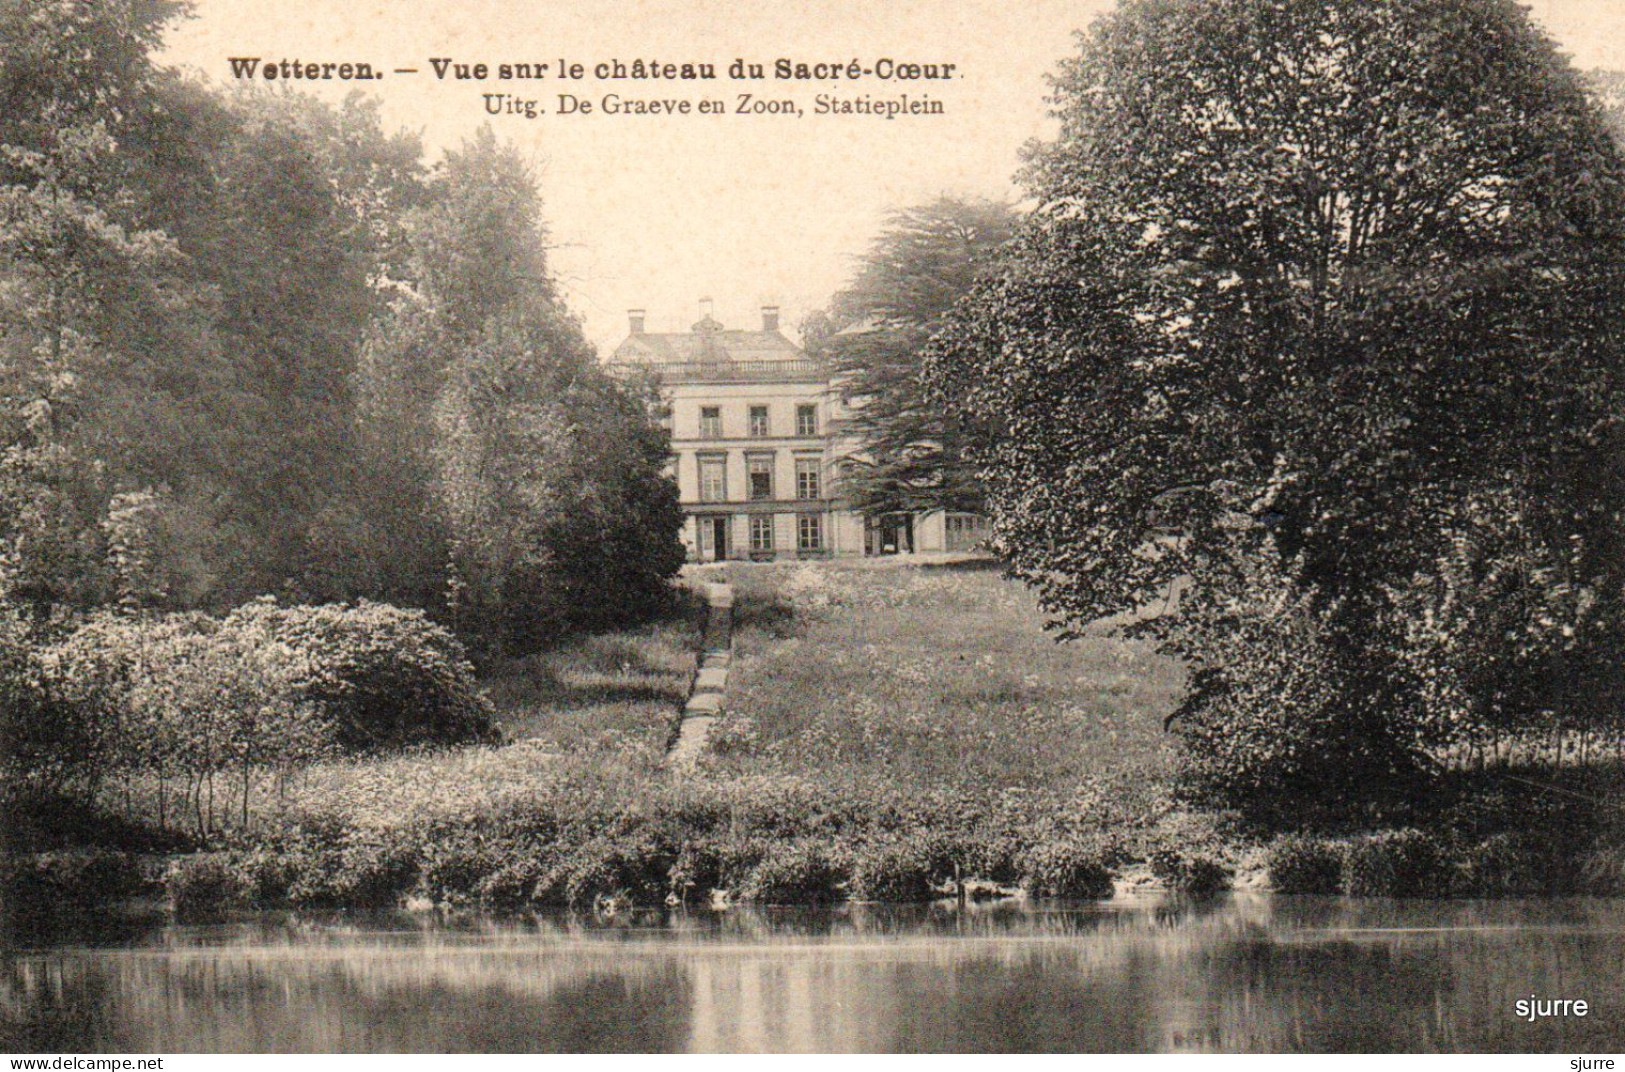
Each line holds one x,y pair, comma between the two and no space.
383,676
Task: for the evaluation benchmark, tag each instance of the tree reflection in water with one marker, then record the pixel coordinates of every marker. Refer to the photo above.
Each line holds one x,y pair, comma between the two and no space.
1249,974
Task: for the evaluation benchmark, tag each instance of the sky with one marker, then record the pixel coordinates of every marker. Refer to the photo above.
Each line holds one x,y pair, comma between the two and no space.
658,212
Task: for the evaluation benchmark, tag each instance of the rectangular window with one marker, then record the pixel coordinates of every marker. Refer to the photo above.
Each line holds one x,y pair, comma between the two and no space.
758,422
808,473
761,476
713,480
761,532
809,532
965,531
806,420
710,422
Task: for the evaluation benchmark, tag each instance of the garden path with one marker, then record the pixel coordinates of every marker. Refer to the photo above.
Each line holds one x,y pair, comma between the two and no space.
705,698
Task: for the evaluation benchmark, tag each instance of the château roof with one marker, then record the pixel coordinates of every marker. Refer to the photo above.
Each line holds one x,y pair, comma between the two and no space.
710,352
724,345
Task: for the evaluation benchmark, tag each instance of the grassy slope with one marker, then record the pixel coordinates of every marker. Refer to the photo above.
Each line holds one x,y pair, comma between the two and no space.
934,675
607,693
878,712
883,676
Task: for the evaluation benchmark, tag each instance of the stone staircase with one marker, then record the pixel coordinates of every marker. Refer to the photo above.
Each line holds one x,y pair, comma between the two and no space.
705,697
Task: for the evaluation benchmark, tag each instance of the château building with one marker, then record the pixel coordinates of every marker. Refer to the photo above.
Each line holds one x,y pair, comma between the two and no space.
758,433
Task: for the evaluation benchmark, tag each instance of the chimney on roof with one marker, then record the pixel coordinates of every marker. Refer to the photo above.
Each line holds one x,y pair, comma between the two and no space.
635,316
770,318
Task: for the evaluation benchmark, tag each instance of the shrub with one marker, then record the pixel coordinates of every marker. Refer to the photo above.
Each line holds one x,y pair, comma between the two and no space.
494,868
1195,873
51,883
267,874
1277,731
704,864
1077,868
46,742
375,872
1300,864
33,819
324,864
157,691
1397,863
196,700
203,885
1000,840
1514,863
453,869
383,676
725,859
781,807
896,869
795,872
997,857
512,883
609,870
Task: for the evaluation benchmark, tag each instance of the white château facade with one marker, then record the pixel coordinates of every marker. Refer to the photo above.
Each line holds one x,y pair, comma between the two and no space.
758,433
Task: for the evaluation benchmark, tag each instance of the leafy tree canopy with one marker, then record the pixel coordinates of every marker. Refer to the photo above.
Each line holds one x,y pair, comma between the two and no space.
875,332
1318,312
250,343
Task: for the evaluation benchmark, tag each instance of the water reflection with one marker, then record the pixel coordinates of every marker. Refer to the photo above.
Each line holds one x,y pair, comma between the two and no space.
1249,974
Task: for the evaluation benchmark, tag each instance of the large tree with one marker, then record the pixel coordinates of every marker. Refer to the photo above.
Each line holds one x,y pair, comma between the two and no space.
250,344
1318,312
80,270
185,281
537,476
875,332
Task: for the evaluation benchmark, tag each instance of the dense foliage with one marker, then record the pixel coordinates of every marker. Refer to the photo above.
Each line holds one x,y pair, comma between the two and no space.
250,344
874,335
504,454
380,676
193,700
1317,319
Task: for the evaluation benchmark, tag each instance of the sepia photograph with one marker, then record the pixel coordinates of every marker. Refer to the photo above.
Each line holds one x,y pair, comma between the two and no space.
927,527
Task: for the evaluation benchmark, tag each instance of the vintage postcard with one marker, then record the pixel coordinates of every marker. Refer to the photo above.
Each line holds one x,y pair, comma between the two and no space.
1088,526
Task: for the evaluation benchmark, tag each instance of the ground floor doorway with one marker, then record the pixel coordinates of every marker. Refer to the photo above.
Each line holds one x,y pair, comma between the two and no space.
891,534
713,537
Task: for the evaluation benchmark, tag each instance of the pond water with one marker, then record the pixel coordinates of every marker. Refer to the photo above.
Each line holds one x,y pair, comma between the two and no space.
1245,973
